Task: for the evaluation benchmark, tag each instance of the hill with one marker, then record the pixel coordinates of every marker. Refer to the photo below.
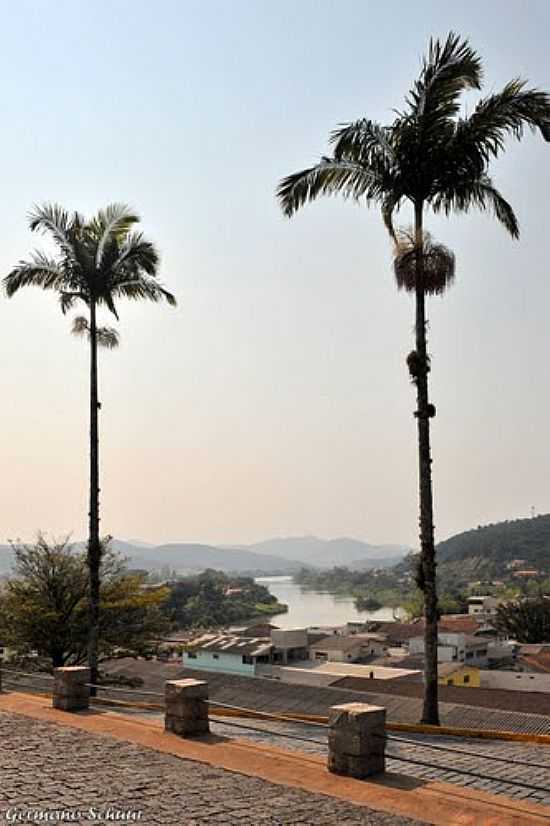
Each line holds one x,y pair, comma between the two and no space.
197,557
326,553
485,551
186,558
272,556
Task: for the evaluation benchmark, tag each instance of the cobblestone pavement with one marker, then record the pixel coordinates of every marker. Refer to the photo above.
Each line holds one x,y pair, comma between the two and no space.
500,776
49,768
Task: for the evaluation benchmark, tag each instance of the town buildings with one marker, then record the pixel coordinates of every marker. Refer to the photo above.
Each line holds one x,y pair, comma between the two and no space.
471,654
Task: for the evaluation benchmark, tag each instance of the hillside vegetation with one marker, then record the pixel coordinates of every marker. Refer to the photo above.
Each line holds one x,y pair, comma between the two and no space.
215,599
487,549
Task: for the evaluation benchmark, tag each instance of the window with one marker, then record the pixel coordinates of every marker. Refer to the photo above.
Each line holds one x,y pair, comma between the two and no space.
191,655
466,679
449,682
247,660
216,656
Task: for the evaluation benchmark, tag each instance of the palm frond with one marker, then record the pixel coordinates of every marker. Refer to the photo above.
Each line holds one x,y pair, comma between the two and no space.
329,177
438,263
41,271
67,300
112,223
450,67
389,204
482,136
479,193
57,222
108,337
363,141
109,303
80,326
142,288
137,255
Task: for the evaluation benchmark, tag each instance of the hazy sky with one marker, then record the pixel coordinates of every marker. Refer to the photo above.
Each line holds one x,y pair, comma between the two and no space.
275,399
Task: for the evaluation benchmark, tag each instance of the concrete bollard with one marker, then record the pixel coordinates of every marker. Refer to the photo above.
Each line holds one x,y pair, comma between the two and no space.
186,710
70,692
356,740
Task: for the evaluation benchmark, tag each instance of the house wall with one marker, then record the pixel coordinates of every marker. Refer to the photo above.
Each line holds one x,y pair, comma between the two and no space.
214,661
466,676
291,638
515,681
445,653
453,648
377,649
486,605
304,676
334,655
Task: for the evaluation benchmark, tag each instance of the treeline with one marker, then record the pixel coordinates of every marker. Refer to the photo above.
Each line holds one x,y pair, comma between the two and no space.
495,545
374,589
213,598
371,589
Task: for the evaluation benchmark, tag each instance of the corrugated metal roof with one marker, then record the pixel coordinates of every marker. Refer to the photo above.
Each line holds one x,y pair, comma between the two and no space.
232,644
273,695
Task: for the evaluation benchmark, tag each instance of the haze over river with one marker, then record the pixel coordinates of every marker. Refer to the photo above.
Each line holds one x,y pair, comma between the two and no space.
315,607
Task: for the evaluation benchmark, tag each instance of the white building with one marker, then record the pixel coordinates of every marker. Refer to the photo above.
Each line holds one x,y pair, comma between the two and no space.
348,649
228,654
461,648
289,644
482,605
514,680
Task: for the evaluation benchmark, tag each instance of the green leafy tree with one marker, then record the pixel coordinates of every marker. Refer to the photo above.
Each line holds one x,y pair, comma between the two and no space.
430,157
44,606
215,599
527,620
414,605
99,261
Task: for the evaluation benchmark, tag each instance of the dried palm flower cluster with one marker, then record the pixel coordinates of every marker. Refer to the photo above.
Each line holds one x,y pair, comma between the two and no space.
439,264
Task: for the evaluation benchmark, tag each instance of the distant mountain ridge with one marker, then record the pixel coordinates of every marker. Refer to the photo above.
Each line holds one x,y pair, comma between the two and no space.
197,557
326,553
272,556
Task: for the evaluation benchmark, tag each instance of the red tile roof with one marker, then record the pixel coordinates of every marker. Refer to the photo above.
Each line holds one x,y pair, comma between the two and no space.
539,663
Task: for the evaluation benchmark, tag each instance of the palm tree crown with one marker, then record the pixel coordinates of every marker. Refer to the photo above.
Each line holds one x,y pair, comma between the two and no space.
429,154
100,261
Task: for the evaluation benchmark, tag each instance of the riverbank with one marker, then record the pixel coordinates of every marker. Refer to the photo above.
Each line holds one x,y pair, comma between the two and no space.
310,607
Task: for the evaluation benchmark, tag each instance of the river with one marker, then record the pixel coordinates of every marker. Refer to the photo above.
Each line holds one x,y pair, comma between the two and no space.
307,608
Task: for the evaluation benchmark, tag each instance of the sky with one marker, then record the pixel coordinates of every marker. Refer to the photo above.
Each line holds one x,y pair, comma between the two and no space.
274,400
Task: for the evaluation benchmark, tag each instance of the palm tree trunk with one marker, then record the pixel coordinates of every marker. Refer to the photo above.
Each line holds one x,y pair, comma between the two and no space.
430,712
94,544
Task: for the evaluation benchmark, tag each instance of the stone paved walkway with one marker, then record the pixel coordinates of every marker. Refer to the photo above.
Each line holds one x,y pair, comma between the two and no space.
504,775
51,768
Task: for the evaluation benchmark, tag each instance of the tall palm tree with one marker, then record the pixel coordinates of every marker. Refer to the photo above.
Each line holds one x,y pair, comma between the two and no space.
99,261
430,157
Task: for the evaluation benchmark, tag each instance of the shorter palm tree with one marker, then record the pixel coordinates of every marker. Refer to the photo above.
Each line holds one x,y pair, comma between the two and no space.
100,261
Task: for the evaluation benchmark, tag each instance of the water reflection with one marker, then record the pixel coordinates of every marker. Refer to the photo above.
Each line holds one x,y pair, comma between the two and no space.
316,607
